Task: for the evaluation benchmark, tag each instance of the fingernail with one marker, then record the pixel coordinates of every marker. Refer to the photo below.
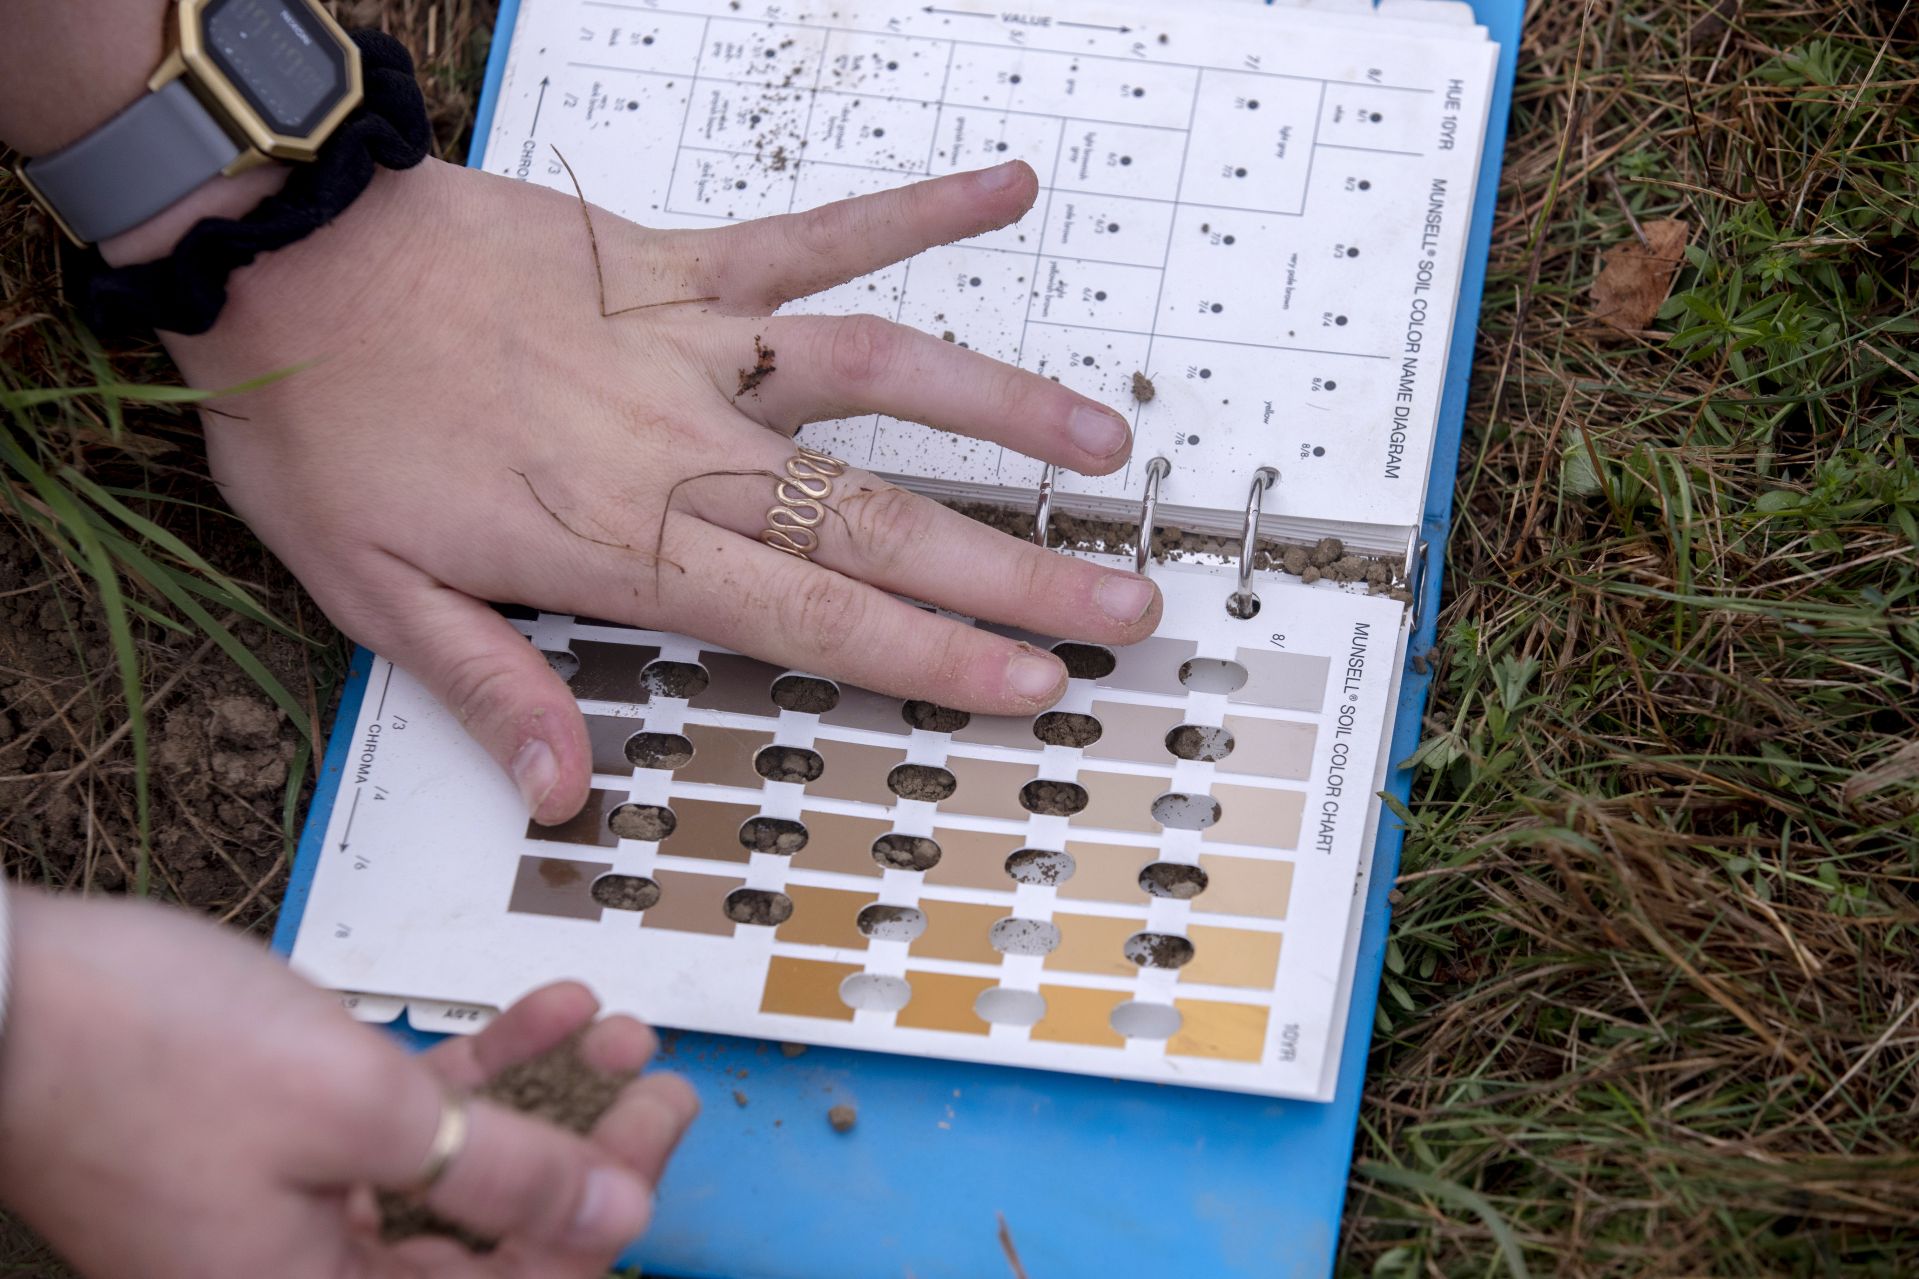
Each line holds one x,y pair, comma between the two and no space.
535,772
1100,432
1032,676
1123,597
999,177
613,1210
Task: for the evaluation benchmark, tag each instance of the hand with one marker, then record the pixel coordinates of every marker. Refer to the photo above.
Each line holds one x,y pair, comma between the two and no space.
465,425
175,1103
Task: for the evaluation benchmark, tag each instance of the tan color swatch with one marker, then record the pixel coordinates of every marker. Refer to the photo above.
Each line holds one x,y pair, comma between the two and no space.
1242,886
855,772
723,756
588,826
556,886
708,829
1015,731
1284,681
942,1001
825,917
1262,818
1120,801
1209,1028
1150,666
1270,748
806,988
959,930
858,708
973,859
1075,1015
836,842
987,787
1134,732
1105,872
1232,957
739,684
1094,944
691,903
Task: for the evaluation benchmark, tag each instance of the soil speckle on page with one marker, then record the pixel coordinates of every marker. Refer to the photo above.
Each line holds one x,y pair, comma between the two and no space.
763,368
1143,388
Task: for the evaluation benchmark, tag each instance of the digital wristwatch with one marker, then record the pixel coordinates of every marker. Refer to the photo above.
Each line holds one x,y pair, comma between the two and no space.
243,82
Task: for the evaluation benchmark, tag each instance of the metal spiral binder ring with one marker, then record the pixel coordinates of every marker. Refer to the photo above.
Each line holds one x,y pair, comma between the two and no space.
1242,603
1156,470
1043,511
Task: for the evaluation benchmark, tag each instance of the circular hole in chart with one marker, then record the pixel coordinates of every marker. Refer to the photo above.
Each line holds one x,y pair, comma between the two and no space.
1136,1019
906,852
1016,936
1086,661
658,750
805,693
788,764
1159,950
565,663
921,781
1040,866
934,719
1064,728
892,923
779,835
625,892
1201,742
1186,812
642,821
1173,879
875,992
1052,799
674,679
1004,1006
1212,675
759,906
1242,607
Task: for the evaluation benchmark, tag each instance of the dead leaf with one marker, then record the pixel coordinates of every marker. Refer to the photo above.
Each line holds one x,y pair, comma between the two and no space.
1635,277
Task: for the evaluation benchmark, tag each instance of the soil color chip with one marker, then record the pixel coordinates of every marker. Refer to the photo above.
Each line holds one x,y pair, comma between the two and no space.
642,821
1040,866
1052,799
789,764
658,750
934,719
1064,728
1158,950
1172,879
674,679
625,892
805,693
921,781
1196,741
1143,388
773,835
758,906
906,852
843,1117
1086,661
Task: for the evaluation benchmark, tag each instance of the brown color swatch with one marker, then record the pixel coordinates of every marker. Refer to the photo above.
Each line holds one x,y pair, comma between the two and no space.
691,903
1094,944
825,917
1263,818
739,684
1232,957
708,829
855,772
959,930
1120,801
1134,732
987,787
1076,1015
1150,666
973,859
859,708
942,1001
1105,872
1209,1028
835,842
606,736
806,988
556,886
1015,731
610,672
588,826
1242,886
723,756
1270,748
1284,681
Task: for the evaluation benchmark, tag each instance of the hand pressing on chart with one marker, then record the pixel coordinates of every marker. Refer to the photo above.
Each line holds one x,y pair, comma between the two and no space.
464,424
175,1104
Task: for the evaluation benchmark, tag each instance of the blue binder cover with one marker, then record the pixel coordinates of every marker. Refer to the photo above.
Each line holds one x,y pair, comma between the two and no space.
1089,1175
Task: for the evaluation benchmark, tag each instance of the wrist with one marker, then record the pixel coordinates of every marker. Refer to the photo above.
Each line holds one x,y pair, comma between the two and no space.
220,197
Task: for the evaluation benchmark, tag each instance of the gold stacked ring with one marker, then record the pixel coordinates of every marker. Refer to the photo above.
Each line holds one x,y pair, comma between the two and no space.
792,522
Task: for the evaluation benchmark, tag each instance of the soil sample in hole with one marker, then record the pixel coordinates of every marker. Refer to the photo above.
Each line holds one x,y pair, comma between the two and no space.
1052,799
1158,950
789,764
674,679
1197,741
1039,866
758,906
1086,661
934,719
625,892
658,750
921,781
1173,879
642,821
906,852
805,693
773,835
1064,728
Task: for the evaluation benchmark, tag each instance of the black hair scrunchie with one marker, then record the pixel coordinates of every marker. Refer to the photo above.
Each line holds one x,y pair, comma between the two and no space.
185,291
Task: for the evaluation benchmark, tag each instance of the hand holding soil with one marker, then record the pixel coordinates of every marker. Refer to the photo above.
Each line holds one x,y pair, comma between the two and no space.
474,413
176,1104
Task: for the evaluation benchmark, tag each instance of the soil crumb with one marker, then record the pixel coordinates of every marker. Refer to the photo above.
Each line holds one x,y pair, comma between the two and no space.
1143,388
949,336
792,1050
935,719
763,368
739,1099
843,1117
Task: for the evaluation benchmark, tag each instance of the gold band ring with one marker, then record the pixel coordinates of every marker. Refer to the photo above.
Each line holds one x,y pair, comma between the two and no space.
449,1139
792,522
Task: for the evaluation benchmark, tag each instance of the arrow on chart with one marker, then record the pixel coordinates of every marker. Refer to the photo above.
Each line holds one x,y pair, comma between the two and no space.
534,131
350,815
957,13
1090,26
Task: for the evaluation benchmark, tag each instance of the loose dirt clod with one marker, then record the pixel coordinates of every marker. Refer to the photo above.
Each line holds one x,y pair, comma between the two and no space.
763,368
1143,388
739,1099
792,1050
843,1117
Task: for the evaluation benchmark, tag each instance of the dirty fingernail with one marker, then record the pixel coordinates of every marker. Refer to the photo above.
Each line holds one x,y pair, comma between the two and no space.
535,772
1098,431
1000,176
613,1210
1032,675
1123,597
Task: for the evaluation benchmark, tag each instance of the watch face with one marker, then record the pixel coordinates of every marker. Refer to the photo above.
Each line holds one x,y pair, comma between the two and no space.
280,58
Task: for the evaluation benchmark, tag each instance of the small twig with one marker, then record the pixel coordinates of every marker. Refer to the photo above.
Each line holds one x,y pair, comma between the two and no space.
1006,1246
584,537
599,272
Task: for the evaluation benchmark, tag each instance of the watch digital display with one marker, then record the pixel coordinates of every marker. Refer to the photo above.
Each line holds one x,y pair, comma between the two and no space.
276,53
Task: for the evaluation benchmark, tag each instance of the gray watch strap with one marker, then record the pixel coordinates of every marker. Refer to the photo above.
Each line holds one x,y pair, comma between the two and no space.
142,161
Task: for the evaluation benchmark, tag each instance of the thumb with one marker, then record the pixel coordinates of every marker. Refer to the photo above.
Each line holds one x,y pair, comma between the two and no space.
502,690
